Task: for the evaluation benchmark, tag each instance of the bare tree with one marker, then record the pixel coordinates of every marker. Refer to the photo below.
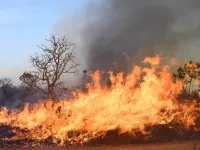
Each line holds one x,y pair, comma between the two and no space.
56,59
7,89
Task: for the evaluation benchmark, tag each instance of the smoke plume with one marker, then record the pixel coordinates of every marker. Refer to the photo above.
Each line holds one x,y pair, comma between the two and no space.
113,29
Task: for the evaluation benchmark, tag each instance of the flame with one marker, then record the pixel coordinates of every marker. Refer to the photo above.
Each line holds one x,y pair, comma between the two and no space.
174,62
146,97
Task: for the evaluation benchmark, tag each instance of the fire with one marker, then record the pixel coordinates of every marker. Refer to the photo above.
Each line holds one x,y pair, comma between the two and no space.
146,97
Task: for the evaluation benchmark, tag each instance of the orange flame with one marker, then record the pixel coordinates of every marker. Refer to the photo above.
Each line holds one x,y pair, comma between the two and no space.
145,97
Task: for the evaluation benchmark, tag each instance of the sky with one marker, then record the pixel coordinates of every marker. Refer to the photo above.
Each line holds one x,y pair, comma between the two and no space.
24,24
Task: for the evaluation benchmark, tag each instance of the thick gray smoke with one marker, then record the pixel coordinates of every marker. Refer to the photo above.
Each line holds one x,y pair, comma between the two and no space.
104,29
139,28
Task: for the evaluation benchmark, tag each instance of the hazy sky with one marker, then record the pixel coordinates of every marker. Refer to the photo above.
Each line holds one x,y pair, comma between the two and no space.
23,25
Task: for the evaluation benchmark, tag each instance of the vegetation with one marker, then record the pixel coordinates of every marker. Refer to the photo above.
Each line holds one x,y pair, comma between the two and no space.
28,86
189,74
7,89
55,60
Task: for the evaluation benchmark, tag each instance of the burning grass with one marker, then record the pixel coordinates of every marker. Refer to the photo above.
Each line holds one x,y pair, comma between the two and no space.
142,106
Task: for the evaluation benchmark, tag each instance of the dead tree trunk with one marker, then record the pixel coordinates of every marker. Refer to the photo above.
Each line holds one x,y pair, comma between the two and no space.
51,94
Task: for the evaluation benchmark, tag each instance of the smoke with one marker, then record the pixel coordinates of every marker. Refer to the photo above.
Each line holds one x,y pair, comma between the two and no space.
139,28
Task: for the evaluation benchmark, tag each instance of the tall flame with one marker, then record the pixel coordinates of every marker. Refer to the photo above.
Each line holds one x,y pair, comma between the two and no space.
146,97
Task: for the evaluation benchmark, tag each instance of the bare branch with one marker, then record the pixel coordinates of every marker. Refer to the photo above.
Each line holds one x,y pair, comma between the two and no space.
56,59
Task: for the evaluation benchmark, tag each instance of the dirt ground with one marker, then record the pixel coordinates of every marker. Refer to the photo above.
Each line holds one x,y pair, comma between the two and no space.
190,145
